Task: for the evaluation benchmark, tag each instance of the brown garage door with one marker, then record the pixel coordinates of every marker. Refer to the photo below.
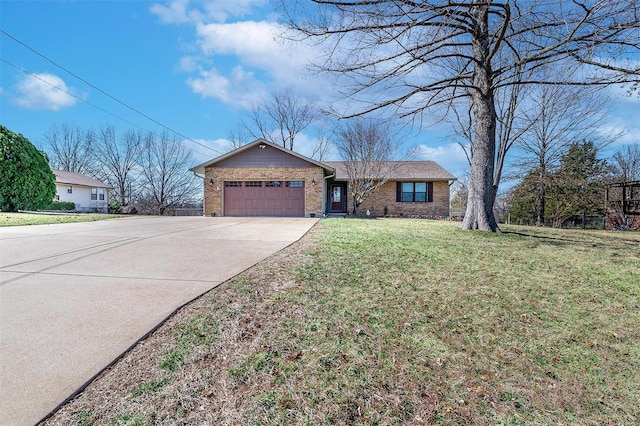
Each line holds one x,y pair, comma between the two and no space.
272,198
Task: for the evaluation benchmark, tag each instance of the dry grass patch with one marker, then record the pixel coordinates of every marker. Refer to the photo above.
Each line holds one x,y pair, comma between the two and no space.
397,322
21,219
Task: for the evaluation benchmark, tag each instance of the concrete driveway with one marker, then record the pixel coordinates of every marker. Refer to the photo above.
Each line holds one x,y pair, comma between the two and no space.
73,297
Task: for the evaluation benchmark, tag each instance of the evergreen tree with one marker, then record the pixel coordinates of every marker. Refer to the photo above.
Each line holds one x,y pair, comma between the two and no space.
575,187
26,180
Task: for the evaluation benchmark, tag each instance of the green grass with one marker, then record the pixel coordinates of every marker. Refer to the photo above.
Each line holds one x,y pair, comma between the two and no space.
199,331
414,322
148,388
19,219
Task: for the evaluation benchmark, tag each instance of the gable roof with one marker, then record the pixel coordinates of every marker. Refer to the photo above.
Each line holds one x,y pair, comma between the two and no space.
258,142
401,170
70,178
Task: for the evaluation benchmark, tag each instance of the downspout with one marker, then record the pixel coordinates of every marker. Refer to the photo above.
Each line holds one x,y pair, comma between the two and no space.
201,177
324,193
450,183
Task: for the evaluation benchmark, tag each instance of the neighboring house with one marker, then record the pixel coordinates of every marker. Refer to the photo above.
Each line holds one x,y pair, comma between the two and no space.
88,194
264,179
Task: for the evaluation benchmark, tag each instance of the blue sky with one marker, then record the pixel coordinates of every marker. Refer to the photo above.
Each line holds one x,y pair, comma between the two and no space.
192,66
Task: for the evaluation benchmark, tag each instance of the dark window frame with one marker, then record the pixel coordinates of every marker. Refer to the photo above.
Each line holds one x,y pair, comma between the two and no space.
412,196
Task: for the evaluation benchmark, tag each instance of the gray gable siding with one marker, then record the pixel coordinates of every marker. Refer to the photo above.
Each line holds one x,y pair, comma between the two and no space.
267,157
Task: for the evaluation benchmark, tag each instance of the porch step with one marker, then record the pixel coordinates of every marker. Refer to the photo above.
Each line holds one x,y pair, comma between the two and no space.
335,215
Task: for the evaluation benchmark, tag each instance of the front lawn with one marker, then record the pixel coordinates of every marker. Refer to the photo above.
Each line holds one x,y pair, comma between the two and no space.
18,219
397,322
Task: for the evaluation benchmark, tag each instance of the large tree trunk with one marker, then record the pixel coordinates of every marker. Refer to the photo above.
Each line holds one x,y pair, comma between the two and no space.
479,213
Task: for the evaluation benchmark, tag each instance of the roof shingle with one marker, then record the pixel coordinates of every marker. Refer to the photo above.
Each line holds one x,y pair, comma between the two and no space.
71,178
401,170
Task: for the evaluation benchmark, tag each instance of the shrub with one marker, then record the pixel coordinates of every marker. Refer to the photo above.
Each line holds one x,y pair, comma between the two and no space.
61,205
115,207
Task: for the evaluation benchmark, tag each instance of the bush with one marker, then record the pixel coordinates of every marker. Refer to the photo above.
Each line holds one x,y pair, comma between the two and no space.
26,180
115,207
61,205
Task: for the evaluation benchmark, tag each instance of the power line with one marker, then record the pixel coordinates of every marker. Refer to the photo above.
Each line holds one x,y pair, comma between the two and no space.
70,94
99,90
87,102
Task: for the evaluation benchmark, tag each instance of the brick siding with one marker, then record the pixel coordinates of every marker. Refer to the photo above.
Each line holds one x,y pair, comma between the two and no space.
385,196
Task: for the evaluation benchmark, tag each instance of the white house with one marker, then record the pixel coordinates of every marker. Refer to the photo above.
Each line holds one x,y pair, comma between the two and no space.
89,195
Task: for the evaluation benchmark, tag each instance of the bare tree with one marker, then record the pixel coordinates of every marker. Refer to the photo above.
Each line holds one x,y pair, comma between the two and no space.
282,118
412,56
459,193
627,160
322,144
367,149
165,178
116,161
556,116
239,136
69,148
321,147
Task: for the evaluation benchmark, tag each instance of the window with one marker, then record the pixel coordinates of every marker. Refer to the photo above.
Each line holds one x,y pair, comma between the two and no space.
232,183
273,184
70,190
97,194
295,184
252,184
414,192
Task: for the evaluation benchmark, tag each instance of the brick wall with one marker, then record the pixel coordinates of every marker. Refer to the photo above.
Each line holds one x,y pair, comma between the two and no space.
213,194
386,196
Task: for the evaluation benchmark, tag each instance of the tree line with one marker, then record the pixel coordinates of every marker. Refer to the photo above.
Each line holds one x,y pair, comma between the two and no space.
145,170
562,188
574,186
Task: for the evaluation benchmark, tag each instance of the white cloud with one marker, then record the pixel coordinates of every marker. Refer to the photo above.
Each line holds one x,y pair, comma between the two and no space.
176,12
239,88
44,91
210,84
181,11
249,57
628,131
200,153
251,61
188,64
255,44
221,10
451,156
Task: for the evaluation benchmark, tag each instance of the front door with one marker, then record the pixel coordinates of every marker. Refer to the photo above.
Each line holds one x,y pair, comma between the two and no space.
337,197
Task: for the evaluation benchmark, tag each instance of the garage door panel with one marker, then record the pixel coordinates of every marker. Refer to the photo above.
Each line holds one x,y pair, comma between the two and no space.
283,201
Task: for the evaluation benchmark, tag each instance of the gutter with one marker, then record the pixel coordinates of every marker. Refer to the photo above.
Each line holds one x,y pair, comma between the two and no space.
324,193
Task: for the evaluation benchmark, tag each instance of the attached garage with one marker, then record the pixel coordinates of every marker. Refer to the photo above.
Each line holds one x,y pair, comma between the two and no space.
263,179
264,198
